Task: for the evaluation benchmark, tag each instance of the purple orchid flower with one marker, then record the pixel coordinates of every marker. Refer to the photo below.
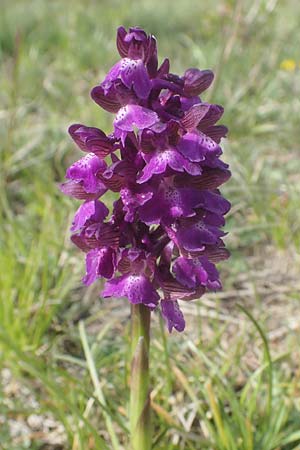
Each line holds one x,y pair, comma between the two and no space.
164,235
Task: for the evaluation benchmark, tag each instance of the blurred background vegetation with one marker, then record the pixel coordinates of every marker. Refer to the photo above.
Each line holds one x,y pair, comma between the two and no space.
215,386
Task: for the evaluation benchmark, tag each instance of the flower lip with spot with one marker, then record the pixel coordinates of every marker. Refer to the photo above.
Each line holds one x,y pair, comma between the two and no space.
172,315
132,117
195,237
86,170
137,288
132,73
167,162
195,146
133,197
169,204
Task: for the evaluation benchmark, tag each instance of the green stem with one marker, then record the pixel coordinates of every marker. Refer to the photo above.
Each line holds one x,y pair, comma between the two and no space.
140,411
169,384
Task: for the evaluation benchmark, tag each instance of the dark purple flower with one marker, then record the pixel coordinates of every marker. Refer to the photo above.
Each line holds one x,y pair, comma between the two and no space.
170,203
137,288
133,116
195,146
196,271
94,211
86,170
166,161
162,161
132,73
133,197
172,314
100,262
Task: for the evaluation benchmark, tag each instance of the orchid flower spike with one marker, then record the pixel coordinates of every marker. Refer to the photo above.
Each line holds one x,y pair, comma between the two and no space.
164,236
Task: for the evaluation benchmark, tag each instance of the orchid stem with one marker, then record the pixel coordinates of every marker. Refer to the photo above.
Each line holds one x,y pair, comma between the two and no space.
169,384
140,410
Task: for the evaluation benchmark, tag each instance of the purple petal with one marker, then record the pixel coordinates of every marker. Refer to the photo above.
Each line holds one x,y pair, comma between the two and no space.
172,315
113,75
153,211
107,100
136,34
93,210
79,241
188,273
214,113
101,147
91,139
216,253
213,282
137,39
135,261
99,263
154,138
85,170
195,272
164,68
75,189
187,103
169,204
97,235
215,162
193,116
151,57
80,133
172,289
216,132
196,236
134,198
137,288
216,220
209,179
213,202
134,74
122,45
135,116
159,161
196,145
196,81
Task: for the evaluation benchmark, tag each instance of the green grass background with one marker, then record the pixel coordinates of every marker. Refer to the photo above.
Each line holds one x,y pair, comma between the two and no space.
214,386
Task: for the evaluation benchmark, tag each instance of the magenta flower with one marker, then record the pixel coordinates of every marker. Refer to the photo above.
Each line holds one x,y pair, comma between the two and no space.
164,235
